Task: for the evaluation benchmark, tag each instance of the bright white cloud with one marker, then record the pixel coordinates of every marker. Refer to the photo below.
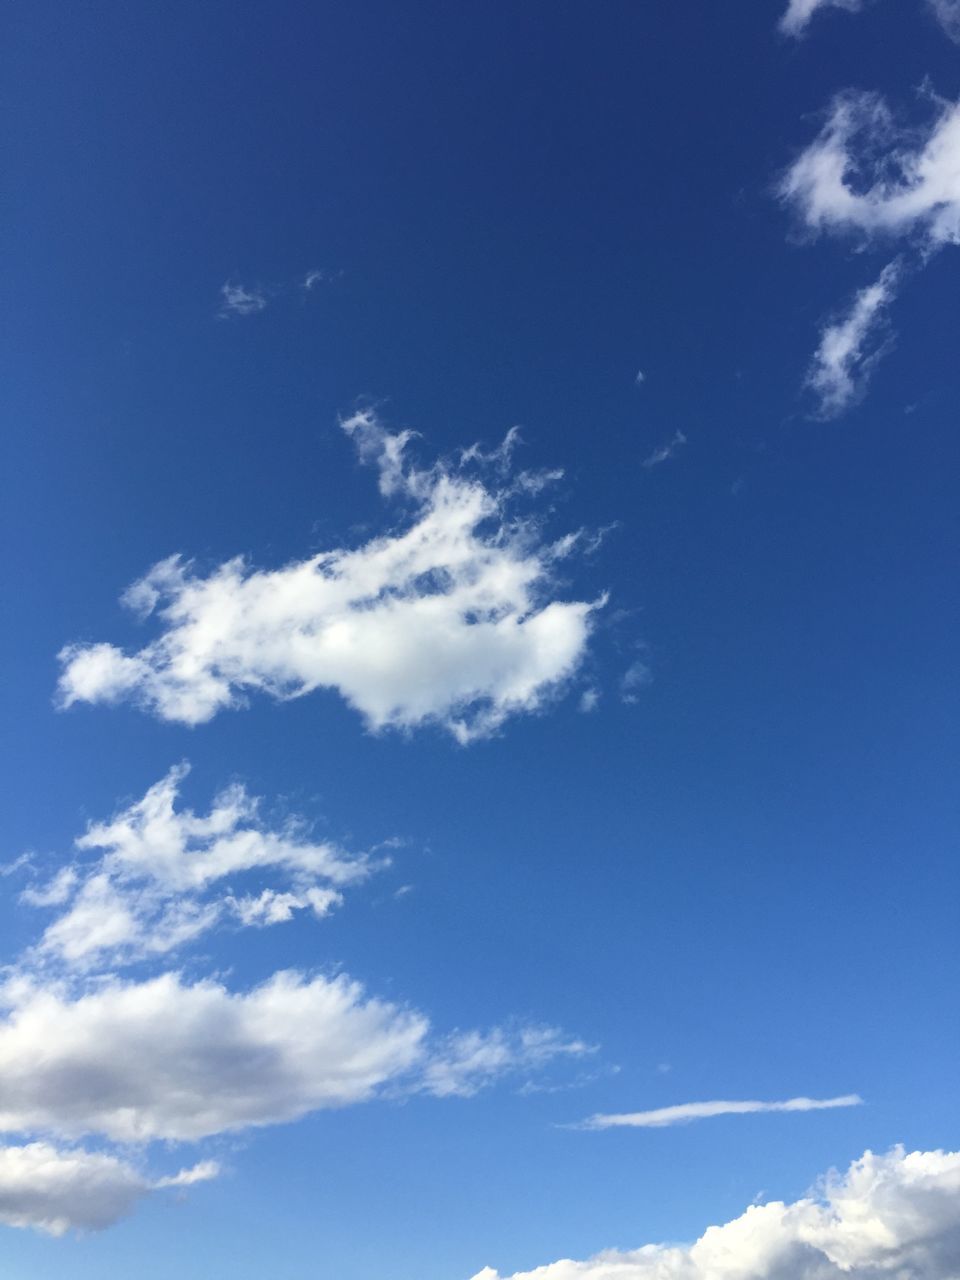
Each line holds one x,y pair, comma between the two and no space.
169,1059
665,451
54,1190
157,880
893,1215
799,12
684,1112
865,174
239,301
451,621
851,346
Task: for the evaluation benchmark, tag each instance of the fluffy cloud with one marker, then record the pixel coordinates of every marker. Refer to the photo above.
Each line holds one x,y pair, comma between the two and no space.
167,1059
851,347
53,1190
684,1112
799,12
891,1215
865,174
157,882
450,621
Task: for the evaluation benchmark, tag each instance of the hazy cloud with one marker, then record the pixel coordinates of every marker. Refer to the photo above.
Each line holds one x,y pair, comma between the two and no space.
684,1112
851,346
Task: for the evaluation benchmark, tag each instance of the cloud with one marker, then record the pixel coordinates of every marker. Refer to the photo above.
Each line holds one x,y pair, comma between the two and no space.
452,621
865,174
947,13
157,881
888,1215
636,677
799,12
239,301
178,1061
665,451
663,1117
846,357
54,1190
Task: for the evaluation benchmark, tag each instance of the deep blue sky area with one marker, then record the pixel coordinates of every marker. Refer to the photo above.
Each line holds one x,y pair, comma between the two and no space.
739,882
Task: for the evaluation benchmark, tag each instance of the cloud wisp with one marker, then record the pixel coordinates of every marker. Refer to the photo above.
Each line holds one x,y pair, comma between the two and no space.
454,621
799,13
685,1112
158,880
55,1189
888,1215
851,347
665,451
237,300
867,175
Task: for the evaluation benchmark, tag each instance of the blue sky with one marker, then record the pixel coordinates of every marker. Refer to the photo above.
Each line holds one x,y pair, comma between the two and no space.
659,813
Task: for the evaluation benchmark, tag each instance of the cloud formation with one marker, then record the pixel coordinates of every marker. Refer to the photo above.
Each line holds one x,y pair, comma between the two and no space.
180,1061
451,621
866,174
892,1215
665,451
851,347
799,12
947,13
684,1112
54,1190
158,879
239,301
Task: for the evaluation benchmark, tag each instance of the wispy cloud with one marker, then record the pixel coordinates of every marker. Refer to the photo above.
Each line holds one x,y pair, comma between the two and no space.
947,13
665,451
799,12
888,1215
684,1112
236,300
455,620
851,347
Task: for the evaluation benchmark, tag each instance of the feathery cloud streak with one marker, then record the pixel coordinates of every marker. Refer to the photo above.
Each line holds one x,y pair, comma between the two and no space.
851,347
684,1112
450,622
888,1215
799,12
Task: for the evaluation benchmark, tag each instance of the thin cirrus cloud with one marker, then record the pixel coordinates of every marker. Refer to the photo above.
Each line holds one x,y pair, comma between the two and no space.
167,1059
851,347
799,13
237,300
454,621
158,880
892,1214
685,1112
55,1189
665,451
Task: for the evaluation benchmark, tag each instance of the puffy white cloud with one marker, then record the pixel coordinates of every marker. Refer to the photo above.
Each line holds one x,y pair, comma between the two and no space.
799,12
893,1215
239,301
851,346
865,174
158,880
53,1190
450,621
168,1059
684,1112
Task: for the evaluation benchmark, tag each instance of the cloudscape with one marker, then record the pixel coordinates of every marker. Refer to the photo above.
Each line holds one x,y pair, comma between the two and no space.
480,532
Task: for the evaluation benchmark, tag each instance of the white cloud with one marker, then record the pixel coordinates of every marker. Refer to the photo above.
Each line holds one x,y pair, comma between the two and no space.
850,349
947,13
665,451
179,1061
239,301
865,174
451,621
892,1215
636,677
684,1112
54,1190
173,1060
157,880
799,12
